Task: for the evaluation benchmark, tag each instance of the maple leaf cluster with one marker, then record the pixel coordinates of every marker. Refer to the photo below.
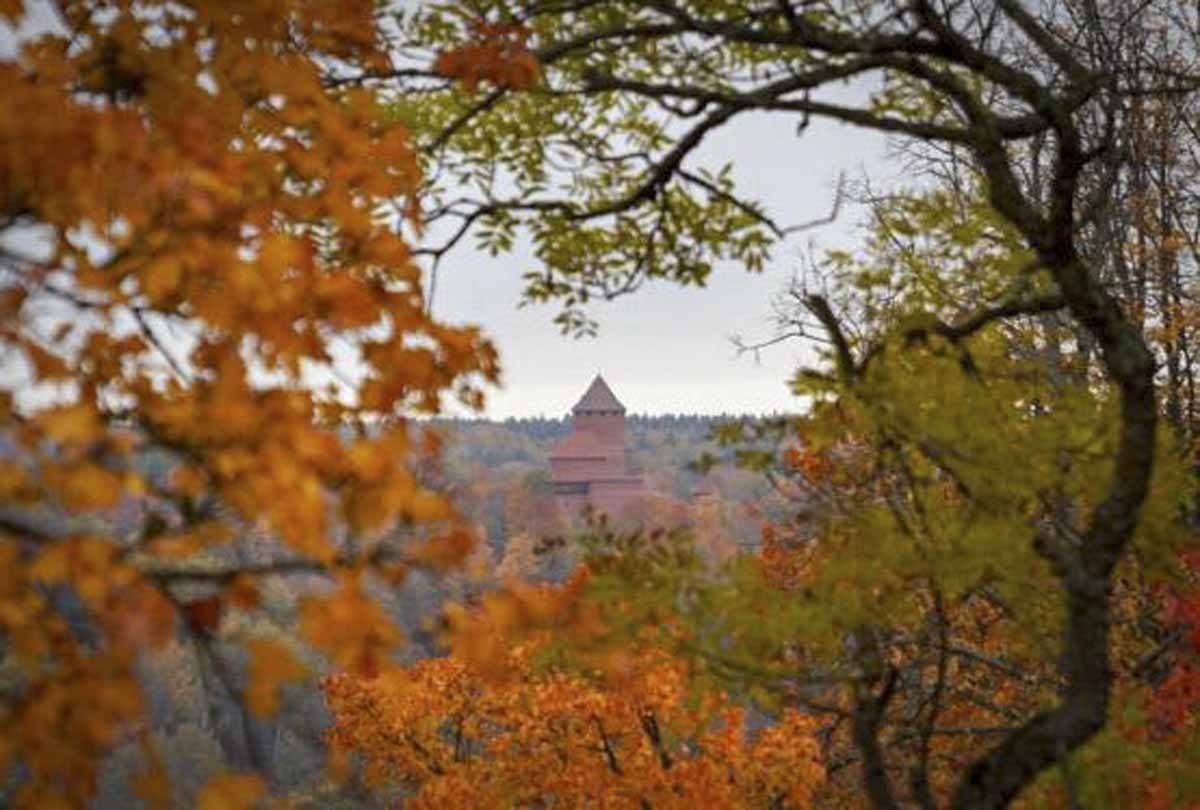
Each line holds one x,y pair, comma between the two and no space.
453,736
497,53
1173,706
203,260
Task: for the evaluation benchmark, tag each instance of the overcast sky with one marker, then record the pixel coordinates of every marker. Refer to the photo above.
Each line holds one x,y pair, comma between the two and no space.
664,348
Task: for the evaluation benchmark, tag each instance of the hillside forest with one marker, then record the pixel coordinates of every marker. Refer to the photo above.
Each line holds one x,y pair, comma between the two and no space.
253,555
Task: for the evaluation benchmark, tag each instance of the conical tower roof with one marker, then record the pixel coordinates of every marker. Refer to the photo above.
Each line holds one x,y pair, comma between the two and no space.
598,397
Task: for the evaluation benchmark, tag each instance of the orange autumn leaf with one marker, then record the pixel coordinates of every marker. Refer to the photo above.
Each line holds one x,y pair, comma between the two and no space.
84,486
272,664
15,484
444,550
550,737
208,247
499,54
231,791
349,627
71,424
12,10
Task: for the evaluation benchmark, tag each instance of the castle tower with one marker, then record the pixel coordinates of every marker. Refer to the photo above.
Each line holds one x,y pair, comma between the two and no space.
588,466
600,413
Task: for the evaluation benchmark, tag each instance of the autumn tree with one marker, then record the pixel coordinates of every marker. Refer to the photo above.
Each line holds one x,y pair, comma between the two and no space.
597,165
535,735
213,336
1139,234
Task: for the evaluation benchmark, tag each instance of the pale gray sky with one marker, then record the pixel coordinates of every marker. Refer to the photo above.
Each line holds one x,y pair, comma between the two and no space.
665,348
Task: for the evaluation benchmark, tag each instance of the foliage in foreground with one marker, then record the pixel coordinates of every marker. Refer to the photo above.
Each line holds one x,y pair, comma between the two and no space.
199,233
633,737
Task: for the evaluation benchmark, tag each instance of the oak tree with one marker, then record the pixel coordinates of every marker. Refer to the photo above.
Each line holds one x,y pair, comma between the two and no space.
597,163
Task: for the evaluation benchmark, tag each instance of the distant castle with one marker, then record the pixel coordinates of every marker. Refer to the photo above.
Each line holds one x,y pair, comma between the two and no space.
589,466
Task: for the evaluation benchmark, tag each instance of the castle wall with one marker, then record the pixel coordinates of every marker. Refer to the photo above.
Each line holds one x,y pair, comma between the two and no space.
608,428
616,497
576,469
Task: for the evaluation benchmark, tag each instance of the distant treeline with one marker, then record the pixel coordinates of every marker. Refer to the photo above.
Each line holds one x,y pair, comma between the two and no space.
544,427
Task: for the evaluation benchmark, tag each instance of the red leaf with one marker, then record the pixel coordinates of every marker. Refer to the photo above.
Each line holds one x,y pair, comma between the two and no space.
204,615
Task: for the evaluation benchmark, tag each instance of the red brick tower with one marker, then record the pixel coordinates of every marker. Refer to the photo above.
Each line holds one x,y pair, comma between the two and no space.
600,413
589,465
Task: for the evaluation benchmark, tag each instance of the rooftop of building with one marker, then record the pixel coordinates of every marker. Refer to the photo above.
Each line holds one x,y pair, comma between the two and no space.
598,398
